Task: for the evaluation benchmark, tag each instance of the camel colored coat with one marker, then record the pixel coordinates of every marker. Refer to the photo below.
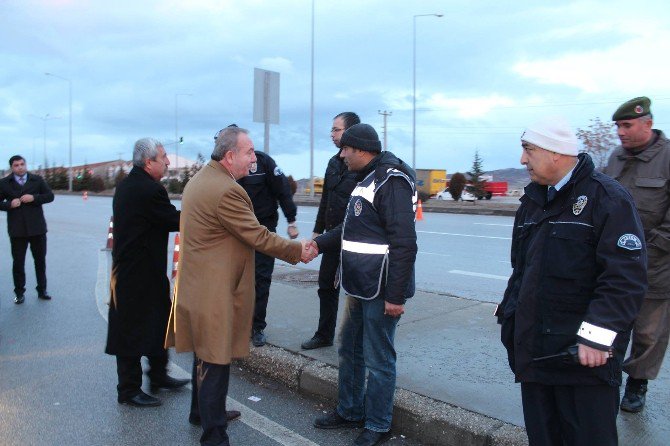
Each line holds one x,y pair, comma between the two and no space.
214,299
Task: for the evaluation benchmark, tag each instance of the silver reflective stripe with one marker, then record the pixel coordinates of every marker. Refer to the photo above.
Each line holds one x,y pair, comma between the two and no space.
364,248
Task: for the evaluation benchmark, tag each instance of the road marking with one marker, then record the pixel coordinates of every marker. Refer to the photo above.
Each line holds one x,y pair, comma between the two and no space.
275,431
473,274
435,254
495,224
465,235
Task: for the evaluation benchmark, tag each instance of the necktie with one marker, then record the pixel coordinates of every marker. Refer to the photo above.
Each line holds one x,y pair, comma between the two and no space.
551,193
22,181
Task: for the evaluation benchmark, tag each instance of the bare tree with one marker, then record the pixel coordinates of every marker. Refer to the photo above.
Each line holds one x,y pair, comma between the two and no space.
456,185
599,140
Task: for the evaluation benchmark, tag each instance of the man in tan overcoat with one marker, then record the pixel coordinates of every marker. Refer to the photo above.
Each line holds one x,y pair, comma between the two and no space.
214,299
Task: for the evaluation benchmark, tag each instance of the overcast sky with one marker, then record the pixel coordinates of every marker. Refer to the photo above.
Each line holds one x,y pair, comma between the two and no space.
483,72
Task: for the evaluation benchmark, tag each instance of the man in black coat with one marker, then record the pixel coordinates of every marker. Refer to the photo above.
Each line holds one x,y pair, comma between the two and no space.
22,195
140,290
337,186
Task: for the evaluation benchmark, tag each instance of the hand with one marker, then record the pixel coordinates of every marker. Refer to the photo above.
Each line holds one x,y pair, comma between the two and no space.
592,357
393,310
15,203
292,232
27,198
309,251
315,235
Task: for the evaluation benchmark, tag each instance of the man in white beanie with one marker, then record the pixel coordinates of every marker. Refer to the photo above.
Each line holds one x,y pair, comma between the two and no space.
578,280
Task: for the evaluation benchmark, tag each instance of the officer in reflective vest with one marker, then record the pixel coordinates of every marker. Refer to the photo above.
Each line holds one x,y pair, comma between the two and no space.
378,250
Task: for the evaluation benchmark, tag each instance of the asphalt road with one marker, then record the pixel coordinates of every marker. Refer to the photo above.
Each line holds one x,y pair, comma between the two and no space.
57,386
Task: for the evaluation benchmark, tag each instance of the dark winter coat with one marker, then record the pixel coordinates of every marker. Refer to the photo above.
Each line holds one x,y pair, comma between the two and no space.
337,186
26,220
140,290
579,261
394,202
646,176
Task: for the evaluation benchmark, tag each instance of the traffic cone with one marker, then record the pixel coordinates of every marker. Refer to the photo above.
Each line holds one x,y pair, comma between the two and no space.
419,211
85,196
110,235
175,256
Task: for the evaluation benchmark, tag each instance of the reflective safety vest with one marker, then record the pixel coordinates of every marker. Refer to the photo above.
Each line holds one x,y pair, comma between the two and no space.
365,245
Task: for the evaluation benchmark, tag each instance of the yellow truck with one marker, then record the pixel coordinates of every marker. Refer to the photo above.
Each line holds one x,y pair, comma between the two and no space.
431,181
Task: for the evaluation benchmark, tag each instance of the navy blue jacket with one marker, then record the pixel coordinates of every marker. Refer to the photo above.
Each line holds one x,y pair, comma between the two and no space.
579,276
394,201
267,185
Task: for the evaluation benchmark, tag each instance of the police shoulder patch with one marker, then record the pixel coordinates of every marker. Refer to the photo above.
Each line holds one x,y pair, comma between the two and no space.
630,242
278,172
358,207
580,204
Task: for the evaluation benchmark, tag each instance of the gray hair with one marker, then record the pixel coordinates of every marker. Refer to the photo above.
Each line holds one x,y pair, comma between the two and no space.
145,149
226,140
646,118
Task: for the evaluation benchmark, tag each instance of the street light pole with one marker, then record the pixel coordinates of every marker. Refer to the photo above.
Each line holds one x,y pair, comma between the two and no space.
414,84
70,107
311,118
176,129
44,119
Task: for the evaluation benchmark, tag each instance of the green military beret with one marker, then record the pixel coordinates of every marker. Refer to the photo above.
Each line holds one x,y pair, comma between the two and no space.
633,109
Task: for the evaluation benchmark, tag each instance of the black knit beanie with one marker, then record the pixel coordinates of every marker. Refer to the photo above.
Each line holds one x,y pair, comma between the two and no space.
362,137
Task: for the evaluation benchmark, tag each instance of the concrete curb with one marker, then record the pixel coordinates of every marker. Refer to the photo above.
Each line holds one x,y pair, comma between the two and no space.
430,421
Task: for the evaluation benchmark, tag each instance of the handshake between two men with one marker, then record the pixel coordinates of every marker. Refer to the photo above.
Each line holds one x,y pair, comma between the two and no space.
310,251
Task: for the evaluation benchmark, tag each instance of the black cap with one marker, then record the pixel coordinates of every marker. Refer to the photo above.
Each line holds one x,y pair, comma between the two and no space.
361,137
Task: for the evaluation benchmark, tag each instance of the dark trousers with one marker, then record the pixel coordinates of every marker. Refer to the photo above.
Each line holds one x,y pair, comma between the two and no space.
38,248
328,295
570,415
129,370
264,267
209,384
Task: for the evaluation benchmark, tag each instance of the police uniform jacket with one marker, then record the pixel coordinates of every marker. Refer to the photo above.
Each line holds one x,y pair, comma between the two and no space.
378,236
578,277
646,175
267,185
26,220
337,186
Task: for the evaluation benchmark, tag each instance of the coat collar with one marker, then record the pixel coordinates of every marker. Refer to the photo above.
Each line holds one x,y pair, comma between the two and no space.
647,154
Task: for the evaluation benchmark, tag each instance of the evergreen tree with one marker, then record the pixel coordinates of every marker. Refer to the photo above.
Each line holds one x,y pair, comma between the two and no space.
476,174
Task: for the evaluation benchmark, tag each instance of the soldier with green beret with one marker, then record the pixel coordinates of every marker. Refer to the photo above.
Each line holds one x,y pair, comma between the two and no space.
642,165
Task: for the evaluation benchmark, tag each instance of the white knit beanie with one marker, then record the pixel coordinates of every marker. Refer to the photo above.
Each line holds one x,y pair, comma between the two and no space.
553,134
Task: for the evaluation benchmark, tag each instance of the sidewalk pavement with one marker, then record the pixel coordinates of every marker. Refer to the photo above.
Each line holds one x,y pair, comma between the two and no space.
454,386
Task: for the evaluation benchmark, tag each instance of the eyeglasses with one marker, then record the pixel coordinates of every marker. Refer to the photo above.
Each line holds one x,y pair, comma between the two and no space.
335,130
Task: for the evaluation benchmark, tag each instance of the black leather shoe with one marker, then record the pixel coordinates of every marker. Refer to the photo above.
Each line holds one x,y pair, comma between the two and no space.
634,397
315,342
18,300
141,400
44,296
230,416
371,438
169,383
258,338
333,420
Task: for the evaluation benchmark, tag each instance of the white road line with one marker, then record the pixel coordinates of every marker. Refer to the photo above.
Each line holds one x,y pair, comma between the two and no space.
465,235
473,274
494,224
251,418
435,254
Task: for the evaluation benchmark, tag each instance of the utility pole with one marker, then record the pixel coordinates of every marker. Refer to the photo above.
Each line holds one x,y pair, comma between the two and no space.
385,114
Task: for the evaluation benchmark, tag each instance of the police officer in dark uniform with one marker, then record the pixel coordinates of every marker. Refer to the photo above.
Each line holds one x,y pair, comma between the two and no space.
578,280
268,188
337,186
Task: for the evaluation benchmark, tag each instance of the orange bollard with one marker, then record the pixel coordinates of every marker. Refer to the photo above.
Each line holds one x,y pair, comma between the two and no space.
419,211
175,256
85,196
110,235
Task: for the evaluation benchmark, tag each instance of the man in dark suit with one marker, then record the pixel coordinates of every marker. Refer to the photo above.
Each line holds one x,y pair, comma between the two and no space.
140,290
22,195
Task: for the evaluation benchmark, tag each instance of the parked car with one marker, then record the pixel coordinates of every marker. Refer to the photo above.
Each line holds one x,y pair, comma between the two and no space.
465,195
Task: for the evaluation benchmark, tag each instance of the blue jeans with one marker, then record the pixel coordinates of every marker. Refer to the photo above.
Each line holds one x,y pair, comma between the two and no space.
366,342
